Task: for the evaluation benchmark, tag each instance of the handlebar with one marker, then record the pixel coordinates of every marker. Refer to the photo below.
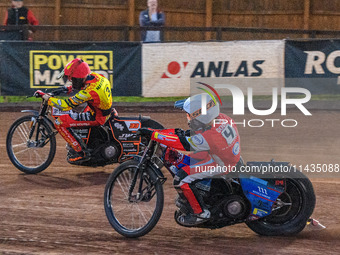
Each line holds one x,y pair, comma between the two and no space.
59,91
53,93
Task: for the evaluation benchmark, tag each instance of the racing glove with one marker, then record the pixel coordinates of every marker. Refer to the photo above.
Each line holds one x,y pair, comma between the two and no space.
181,132
145,132
68,89
173,156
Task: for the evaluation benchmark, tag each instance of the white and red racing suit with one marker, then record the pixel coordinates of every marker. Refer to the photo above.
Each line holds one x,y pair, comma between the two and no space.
97,94
219,145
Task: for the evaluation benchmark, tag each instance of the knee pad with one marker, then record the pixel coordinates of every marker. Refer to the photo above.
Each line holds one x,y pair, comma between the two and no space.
176,181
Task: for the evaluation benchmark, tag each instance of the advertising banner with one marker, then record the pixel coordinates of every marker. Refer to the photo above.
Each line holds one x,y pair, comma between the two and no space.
11,35
314,65
26,67
168,68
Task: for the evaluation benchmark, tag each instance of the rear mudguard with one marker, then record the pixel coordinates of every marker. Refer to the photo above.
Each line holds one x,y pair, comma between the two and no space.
36,113
267,163
146,121
150,123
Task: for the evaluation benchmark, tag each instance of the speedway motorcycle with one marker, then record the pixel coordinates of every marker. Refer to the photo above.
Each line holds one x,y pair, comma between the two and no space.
31,140
270,205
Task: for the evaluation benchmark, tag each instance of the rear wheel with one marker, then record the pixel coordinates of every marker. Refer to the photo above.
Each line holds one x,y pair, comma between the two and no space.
293,209
137,214
31,145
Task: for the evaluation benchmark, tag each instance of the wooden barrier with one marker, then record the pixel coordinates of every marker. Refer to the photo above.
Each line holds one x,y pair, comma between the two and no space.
283,14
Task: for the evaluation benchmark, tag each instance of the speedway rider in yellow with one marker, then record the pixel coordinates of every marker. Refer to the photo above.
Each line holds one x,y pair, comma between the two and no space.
96,91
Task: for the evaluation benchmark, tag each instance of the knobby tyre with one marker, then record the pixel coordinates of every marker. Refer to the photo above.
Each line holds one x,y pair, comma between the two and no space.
30,155
133,217
290,219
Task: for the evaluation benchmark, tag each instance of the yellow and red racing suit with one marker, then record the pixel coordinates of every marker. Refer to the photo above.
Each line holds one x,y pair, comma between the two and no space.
97,94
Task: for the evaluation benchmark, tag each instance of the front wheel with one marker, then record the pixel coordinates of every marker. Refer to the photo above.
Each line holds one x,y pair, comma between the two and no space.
293,209
135,214
30,144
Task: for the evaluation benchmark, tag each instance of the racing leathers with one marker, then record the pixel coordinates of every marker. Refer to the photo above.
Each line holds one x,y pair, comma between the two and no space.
217,145
97,94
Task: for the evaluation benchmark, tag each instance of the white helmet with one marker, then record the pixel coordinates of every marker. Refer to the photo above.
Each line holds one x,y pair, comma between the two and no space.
193,106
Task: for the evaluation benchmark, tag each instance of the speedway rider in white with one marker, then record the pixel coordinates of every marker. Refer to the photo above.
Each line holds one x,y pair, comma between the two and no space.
215,141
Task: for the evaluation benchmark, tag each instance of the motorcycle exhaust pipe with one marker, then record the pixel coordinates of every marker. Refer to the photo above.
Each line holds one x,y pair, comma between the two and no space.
314,224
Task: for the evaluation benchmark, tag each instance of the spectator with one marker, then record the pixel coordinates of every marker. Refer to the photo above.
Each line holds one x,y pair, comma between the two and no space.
152,17
18,14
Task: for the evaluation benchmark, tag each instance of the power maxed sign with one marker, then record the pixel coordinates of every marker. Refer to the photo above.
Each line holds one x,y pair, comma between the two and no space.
46,65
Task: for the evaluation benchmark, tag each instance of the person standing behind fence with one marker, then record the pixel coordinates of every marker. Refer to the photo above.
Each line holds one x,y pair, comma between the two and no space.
18,14
152,17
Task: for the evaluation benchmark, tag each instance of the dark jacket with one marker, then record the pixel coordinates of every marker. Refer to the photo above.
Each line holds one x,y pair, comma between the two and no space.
20,16
17,16
145,21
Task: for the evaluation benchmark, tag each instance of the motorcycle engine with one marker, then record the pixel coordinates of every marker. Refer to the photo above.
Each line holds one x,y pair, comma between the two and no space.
110,152
235,207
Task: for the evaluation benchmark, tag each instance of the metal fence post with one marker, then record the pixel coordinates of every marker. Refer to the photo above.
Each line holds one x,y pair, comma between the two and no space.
126,33
313,34
219,34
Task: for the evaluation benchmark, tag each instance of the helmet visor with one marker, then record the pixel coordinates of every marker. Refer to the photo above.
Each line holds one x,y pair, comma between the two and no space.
63,76
66,78
188,117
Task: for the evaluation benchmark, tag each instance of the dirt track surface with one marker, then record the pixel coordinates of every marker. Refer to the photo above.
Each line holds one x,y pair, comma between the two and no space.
61,209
